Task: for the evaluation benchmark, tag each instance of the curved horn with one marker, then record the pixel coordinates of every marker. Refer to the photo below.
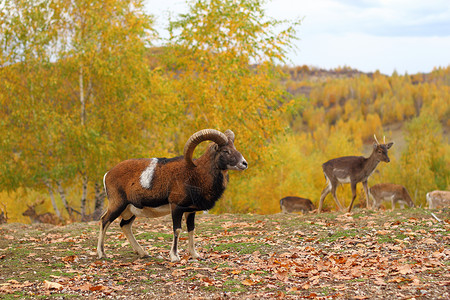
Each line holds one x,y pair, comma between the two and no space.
203,135
376,139
229,134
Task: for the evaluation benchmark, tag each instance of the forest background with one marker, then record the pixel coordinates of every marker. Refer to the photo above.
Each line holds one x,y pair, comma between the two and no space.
83,87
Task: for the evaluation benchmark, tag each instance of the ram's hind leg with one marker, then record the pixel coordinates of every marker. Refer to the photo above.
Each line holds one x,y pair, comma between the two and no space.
126,223
106,219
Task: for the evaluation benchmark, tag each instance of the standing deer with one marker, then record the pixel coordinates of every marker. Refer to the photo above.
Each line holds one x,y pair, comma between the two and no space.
390,192
3,215
352,169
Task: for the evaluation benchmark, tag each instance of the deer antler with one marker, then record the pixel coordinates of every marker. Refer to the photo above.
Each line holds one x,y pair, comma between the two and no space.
384,139
376,139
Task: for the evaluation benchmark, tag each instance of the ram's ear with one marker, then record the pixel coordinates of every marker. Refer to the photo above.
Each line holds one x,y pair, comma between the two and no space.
215,147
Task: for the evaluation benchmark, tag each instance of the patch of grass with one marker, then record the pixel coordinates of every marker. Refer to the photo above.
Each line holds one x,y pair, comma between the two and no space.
58,265
385,239
401,236
16,295
233,286
64,296
357,280
241,248
154,235
328,290
339,234
210,288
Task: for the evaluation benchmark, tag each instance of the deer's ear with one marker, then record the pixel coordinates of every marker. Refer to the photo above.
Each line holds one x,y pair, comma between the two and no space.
389,145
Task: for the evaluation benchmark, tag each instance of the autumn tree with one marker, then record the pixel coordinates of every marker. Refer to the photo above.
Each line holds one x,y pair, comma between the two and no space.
222,56
30,113
77,92
424,164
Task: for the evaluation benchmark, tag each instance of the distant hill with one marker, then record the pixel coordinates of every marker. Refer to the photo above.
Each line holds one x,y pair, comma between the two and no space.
345,93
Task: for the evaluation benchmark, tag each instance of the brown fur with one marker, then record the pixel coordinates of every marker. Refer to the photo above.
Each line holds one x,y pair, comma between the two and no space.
296,204
169,181
390,192
183,185
3,217
438,199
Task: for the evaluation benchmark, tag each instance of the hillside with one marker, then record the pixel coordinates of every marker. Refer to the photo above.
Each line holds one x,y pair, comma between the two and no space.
336,91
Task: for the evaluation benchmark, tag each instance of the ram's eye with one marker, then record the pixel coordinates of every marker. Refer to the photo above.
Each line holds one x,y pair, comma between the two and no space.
226,151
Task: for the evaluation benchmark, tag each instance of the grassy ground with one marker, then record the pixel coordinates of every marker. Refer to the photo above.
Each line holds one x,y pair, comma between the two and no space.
362,255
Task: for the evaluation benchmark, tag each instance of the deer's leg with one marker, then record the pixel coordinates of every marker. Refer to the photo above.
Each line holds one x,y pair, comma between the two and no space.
392,204
333,192
325,192
366,192
353,185
190,223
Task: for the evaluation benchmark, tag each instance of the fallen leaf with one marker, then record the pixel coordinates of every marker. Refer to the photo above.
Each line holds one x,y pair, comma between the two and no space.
97,288
49,285
248,282
70,258
404,269
428,241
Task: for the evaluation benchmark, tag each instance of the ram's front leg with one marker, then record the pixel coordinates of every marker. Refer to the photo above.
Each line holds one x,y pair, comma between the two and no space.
177,215
190,224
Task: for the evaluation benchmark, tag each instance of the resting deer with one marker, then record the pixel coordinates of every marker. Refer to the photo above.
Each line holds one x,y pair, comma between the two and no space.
40,218
436,199
296,204
352,169
390,192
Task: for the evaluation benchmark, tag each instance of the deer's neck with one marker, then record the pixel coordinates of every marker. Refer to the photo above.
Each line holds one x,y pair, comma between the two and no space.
370,164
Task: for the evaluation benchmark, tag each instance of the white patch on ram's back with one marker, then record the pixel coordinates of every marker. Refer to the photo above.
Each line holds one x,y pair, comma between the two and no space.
104,184
147,174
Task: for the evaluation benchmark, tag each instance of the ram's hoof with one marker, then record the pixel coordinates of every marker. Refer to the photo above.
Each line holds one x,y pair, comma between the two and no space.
174,257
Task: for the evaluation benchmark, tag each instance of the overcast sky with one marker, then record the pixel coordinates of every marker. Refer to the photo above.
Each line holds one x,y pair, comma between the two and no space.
404,35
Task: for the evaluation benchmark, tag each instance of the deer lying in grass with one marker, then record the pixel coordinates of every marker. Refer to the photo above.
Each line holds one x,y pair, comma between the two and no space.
352,169
390,192
40,218
296,204
436,199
